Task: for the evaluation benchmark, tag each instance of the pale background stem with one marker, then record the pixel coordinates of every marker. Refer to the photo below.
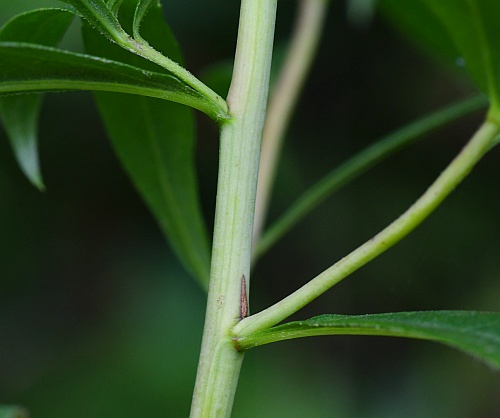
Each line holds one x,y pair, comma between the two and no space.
302,49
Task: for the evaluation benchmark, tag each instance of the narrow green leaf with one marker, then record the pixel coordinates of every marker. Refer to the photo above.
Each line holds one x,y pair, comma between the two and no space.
19,114
156,147
13,412
472,27
475,333
102,18
41,26
29,68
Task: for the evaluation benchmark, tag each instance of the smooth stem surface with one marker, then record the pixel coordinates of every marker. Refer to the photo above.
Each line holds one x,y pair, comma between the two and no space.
358,165
455,172
306,35
220,363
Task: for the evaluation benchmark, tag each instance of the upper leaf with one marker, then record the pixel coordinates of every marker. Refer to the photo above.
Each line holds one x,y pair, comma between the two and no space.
472,27
101,17
29,68
104,17
408,17
156,145
19,114
476,333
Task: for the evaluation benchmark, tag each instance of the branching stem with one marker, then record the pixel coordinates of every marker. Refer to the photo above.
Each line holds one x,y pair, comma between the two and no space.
456,171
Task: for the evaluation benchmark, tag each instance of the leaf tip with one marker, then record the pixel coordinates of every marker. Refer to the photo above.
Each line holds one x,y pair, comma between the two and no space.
27,158
35,178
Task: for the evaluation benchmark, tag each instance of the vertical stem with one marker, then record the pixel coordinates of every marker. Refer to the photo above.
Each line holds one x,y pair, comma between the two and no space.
220,363
308,27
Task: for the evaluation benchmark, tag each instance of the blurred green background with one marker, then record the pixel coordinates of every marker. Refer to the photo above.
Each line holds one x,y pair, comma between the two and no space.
97,319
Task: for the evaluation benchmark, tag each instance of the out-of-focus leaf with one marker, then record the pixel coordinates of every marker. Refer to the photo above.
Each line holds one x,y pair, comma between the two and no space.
19,114
409,16
13,412
360,12
475,333
218,76
29,68
472,27
155,142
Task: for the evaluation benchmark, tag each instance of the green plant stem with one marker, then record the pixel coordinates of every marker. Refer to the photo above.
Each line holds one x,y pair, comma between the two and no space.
143,49
359,164
220,363
300,55
455,172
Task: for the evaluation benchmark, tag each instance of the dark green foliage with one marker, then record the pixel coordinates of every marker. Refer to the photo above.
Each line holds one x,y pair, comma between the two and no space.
19,114
155,142
156,145
466,31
